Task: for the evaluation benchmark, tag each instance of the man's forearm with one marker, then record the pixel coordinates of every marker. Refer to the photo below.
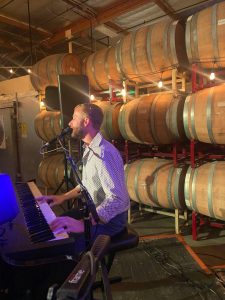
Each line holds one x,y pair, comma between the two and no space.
74,193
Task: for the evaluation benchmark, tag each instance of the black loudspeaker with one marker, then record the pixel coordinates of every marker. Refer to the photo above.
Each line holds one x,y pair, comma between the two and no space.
52,98
73,90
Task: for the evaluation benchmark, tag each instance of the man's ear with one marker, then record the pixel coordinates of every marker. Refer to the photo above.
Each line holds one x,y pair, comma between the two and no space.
86,121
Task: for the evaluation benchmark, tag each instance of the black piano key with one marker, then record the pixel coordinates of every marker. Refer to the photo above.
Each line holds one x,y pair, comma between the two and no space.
36,223
36,227
41,236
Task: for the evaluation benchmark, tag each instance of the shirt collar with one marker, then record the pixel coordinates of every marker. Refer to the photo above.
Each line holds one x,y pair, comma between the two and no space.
95,142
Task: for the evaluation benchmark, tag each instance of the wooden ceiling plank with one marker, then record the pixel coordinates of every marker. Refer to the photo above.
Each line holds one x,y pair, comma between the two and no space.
166,8
83,8
105,15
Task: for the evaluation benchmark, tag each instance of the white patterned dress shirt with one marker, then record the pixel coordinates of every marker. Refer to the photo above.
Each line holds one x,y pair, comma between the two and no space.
103,176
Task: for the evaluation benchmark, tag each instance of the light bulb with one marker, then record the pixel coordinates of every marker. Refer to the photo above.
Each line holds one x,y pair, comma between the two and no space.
29,70
92,97
11,71
212,76
42,104
123,92
160,84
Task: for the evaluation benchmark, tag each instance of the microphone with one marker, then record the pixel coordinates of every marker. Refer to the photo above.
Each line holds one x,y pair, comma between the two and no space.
63,133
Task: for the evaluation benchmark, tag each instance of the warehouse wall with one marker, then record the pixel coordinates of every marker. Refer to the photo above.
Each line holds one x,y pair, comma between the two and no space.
16,85
19,150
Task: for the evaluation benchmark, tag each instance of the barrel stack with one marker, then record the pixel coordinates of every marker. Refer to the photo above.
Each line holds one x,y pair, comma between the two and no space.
147,55
44,72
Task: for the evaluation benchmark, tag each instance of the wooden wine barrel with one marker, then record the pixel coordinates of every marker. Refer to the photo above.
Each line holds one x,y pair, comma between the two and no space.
174,117
45,71
152,119
155,182
47,124
144,54
205,35
51,171
205,189
204,114
100,67
1,133
110,125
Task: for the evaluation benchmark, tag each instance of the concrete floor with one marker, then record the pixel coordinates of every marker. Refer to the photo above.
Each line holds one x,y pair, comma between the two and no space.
210,246
141,276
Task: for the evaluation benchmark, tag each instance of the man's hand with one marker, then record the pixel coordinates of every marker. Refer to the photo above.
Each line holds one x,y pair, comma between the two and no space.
67,224
52,200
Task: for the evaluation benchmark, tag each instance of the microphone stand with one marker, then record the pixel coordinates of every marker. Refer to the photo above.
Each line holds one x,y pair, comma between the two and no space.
87,201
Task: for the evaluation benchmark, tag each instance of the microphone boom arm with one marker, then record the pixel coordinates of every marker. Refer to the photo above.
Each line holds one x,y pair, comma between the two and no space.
88,203
58,138
84,191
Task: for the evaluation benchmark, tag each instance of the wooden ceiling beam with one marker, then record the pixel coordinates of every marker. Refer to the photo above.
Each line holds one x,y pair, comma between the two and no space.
17,37
105,15
5,44
24,26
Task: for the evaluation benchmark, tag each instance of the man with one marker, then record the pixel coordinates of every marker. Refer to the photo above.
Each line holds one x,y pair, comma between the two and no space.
102,175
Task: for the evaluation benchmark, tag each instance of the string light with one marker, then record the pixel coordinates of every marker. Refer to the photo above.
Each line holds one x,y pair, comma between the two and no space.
92,97
123,92
212,76
13,69
42,104
160,83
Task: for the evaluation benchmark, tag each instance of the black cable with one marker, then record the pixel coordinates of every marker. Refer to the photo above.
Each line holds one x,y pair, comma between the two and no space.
30,33
169,266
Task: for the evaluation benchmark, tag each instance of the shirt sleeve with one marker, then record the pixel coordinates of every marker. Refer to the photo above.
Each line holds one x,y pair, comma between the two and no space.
111,173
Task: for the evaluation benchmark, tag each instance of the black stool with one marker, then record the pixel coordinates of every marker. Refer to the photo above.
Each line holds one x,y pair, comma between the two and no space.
126,239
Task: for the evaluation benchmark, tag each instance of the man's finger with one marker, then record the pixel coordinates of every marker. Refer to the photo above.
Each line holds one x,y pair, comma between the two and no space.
40,199
50,201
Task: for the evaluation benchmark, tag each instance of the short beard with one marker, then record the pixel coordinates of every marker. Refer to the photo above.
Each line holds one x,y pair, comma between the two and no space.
78,133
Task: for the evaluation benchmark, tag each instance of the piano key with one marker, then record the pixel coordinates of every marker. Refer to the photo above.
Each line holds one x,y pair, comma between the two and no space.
37,225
